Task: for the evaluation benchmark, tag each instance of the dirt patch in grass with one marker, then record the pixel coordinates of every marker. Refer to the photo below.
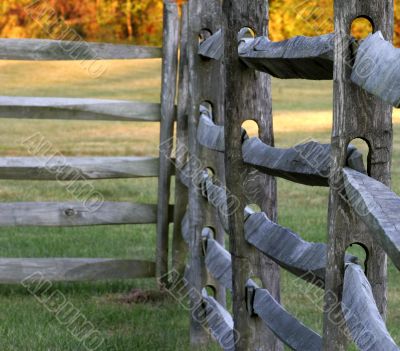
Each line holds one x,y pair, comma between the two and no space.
139,296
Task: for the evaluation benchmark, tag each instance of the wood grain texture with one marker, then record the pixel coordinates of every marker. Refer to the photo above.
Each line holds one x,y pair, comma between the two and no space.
168,96
286,248
179,246
50,50
29,270
357,114
378,207
307,163
213,46
248,96
51,214
184,175
362,316
206,91
218,263
78,109
209,134
216,195
185,225
376,68
220,322
77,168
286,327
298,57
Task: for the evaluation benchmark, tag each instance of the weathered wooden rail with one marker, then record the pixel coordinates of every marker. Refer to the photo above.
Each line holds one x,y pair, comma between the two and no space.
57,50
70,214
92,168
78,109
299,57
362,316
288,329
68,168
16,270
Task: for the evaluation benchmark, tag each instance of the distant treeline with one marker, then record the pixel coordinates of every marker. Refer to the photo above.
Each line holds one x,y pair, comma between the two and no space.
136,21
140,21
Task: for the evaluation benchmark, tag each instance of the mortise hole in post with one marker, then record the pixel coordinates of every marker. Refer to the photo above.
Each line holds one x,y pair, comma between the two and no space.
211,290
361,252
247,33
360,159
208,232
209,171
206,108
204,175
257,281
254,208
251,128
251,209
361,27
204,35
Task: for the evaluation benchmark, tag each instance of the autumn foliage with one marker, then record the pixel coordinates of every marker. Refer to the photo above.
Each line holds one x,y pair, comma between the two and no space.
136,21
140,21
314,17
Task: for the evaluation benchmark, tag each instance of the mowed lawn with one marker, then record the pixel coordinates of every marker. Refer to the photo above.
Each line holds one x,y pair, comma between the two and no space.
302,110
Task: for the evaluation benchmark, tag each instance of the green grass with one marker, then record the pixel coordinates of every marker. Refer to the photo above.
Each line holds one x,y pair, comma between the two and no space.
302,110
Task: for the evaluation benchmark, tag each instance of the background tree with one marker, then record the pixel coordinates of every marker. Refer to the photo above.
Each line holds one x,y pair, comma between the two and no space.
140,21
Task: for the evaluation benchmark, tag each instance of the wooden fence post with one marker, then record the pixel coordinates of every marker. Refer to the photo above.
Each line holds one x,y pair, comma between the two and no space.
357,114
179,246
206,89
247,96
168,95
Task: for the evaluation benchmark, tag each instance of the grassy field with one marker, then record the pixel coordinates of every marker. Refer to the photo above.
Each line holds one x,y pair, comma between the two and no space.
302,110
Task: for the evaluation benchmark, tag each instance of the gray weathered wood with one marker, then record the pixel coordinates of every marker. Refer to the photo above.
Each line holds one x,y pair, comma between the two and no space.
50,50
209,134
184,175
357,114
218,263
75,213
30,270
308,163
298,57
304,259
77,168
179,246
213,46
206,91
220,322
168,95
247,96
362,316
379,209
186,228
285,326
377,68
217,198
78,109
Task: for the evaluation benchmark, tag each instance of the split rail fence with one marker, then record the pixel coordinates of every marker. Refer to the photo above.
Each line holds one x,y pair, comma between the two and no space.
225,53
225,180
92,168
